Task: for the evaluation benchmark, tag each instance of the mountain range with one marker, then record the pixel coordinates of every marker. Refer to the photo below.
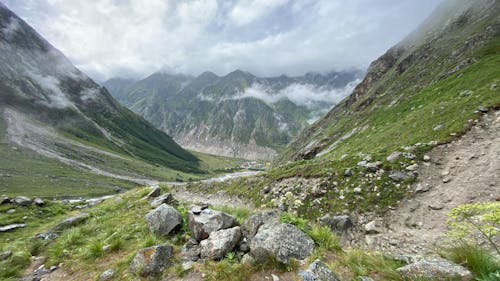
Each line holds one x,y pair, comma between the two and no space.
237,115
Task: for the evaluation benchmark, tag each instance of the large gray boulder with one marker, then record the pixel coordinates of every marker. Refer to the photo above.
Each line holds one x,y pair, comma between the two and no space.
22,201
280,241
220,242
318,271
164,220
70,222
434,269
152,260
207,221
251,225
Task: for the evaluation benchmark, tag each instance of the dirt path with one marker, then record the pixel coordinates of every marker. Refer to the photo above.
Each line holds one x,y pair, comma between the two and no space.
464,171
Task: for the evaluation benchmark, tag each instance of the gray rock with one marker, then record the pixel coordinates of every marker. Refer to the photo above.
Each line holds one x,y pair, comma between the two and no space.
191,250
412,167
22,201
357,190
39,201
70,222
244,245
364,278
107,275
5,255
338,224
420,188
435,269
370,166
5,200
163,199
164,220
438,127
11,227
393,157
11,211
280,241
208,221
493,87
152,260
483,109
372,228
400,176
407,259
219,243
247,259
318,271
251,225
426,158
155,192
47,236
347,173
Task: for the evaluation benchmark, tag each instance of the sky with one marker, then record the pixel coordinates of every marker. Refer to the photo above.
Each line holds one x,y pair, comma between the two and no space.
134,38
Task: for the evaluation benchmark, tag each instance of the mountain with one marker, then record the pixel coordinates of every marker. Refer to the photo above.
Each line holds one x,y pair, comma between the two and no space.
50,107
236,115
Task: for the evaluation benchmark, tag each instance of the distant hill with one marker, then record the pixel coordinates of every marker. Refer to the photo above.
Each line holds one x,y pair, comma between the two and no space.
237,115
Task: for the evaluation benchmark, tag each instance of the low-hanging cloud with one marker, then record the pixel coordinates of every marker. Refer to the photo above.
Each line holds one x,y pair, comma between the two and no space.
307,95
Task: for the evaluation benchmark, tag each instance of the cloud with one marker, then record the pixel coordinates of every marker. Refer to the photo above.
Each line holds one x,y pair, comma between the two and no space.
57,99
108,38
301,94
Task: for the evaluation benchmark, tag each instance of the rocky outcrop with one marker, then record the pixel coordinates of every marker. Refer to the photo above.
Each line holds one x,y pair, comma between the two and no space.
282,242
203,222
220,242
435,269
152,260
164,220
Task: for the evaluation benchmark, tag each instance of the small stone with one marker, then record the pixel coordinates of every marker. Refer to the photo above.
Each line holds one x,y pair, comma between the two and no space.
22,201
53,268
107,275
446,179
155,192
422,188
493,87
318,271
393,157
372,228
438,127
247,259
347,173
39,202
436,206
412,168
11,211
483,109
427,158
275,278
357,190
364,278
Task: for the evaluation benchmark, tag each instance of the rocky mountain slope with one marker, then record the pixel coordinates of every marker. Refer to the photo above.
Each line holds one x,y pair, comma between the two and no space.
237,115
49,107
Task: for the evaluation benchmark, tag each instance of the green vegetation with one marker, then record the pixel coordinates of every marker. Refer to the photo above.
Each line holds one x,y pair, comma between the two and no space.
480,262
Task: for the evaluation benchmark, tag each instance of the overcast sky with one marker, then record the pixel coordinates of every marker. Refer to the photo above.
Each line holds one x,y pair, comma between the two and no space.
133,38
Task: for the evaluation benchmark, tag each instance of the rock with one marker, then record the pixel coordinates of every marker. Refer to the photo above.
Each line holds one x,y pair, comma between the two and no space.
446,179
407,259
208,221
400,176
280,241
107,275
493,87
347,173
11,211
420,188
338,224
318,191
22,201
275,277
164,220
436,206
219,243
5,255
318,271
393,157
11,227
244,246
483,109
438,127
412,167
435,269
5,200
191,250
364,278
426,158
252,223
53,268
370,166
70,222
39,201
372,228
46,236
247,259
151,261
357,190
155,192
163,199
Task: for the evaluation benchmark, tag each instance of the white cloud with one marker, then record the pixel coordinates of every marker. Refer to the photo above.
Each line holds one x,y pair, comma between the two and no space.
57,98
107,38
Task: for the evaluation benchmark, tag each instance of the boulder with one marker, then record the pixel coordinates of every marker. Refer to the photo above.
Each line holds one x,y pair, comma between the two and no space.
220,242
338,224
435,269
191,250
11,227
318,271
163,199
22,201
5,200
155,192
251,225
39,201
107,275
152,260
164,220
208,221
70,222
280,241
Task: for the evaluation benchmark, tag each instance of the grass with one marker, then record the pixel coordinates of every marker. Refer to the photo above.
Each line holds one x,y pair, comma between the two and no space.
479,261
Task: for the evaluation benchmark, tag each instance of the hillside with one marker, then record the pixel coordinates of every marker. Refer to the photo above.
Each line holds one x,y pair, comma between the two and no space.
58,128
237,115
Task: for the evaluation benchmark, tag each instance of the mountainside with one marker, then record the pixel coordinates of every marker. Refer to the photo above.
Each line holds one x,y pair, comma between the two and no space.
237,115
50,107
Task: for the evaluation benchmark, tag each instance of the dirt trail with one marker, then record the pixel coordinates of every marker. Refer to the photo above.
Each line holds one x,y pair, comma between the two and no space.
466,170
